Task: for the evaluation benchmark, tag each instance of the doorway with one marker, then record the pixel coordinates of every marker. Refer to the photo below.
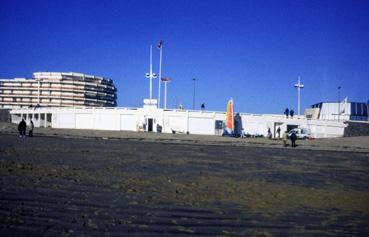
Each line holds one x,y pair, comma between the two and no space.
150,124
276,126
290,127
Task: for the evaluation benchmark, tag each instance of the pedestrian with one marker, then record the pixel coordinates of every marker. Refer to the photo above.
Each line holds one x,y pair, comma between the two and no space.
269,134
203,106
293,138
285,138
22,128
286,112
31,127
292,113
279,132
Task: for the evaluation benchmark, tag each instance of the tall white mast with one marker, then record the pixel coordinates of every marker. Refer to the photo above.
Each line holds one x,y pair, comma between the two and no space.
165,80
160,46
151,75
165,95
298,86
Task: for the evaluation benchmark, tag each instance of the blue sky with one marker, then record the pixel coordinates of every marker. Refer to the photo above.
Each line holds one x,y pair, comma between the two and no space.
252,51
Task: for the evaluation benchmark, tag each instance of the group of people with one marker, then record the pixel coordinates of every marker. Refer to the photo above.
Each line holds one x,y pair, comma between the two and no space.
289,112
292,137
22,126
285,137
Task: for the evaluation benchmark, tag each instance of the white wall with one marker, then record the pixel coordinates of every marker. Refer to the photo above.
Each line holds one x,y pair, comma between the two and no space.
194,122
329,111
128,122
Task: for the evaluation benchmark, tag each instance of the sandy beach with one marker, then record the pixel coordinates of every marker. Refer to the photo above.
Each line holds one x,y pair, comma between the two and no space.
81,182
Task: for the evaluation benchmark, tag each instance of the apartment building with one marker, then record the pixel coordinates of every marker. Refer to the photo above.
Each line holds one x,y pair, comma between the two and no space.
57,89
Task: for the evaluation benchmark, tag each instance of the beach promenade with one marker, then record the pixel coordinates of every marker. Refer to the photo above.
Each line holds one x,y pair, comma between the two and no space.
81,182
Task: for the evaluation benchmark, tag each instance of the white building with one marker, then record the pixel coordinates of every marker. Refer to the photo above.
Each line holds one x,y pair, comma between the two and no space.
343,111
151,119
57,89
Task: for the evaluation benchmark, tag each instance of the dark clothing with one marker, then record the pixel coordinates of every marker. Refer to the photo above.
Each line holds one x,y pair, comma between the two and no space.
22,128
292,113
286,112
269,134
293,138
279,132
30,132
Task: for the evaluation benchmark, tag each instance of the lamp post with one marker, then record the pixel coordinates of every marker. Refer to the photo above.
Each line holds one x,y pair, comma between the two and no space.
194,92
150,75
298,86
339,104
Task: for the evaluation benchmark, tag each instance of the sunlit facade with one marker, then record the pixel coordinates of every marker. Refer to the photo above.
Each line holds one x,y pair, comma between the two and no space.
57,89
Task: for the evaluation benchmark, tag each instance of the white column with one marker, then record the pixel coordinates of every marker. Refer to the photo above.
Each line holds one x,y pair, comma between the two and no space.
165,94
298,86
150,74
159,81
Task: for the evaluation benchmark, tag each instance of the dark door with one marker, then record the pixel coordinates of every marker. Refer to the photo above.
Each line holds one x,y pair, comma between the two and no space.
149,128
290,127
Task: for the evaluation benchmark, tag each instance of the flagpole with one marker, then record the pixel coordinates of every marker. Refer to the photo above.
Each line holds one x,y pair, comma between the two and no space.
150,72
160,62
165,95
165,81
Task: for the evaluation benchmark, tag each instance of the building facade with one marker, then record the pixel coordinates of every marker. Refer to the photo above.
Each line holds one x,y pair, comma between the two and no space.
342,111
57,89
151,119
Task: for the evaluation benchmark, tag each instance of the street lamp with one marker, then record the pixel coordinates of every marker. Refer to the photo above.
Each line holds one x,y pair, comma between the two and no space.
299,86
151,75
339,98
194,92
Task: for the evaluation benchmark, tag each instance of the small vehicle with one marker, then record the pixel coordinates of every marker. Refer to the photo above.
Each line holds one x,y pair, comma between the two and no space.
301,133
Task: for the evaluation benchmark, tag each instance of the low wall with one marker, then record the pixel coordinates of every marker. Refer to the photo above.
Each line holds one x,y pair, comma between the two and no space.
355,129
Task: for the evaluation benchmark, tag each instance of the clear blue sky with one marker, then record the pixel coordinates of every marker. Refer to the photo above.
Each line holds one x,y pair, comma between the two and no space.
252,51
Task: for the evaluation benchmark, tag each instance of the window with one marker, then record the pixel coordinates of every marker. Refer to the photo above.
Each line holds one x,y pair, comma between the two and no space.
353,108
359,108
365,110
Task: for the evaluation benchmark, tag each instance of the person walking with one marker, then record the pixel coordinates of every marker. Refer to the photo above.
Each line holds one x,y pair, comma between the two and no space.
31,127
293,138
269,134
22,128
286,112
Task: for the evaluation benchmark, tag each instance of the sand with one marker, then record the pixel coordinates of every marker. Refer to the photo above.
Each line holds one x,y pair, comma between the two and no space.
80,182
